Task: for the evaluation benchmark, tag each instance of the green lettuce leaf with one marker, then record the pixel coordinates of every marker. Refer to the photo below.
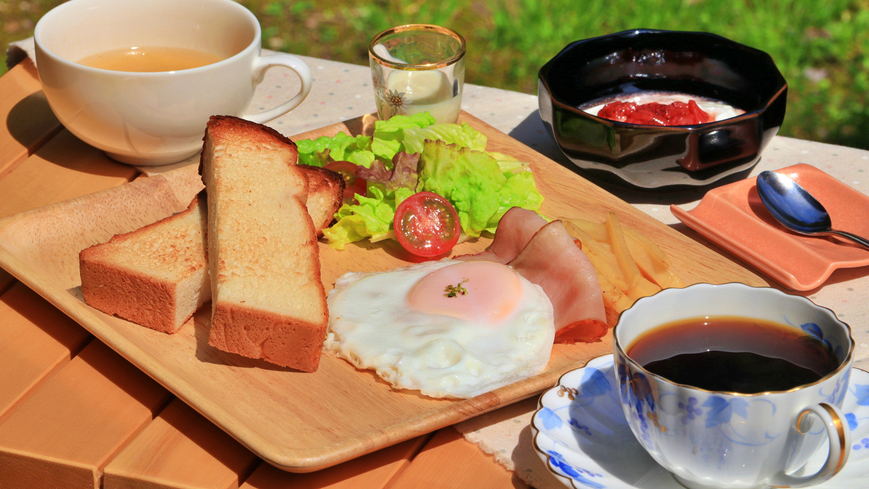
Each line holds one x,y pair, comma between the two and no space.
462,135
341,147
390,134
474,183
370,218
453,163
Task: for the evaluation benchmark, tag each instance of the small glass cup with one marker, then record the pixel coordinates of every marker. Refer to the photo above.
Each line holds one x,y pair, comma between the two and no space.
418,68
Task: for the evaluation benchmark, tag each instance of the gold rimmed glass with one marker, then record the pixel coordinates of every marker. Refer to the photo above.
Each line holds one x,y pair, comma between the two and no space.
418,68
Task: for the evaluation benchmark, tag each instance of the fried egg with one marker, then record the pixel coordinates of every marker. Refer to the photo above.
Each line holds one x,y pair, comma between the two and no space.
446,328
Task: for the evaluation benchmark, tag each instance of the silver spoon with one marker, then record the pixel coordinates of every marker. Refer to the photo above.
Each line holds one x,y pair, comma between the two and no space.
794,207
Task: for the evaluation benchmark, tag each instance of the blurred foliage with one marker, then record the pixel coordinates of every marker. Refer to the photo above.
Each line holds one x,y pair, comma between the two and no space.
821,46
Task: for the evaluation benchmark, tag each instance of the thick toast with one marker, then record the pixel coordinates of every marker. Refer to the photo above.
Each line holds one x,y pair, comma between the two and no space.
157,276
268,300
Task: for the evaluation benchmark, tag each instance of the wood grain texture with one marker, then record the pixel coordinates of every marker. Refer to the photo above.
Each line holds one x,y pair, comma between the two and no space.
63,168
373,471
64,434
28,119
180,449
6,280
296,421
37,341
449,461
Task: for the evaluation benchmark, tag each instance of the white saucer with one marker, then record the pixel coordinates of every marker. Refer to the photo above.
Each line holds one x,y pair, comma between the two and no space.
581,435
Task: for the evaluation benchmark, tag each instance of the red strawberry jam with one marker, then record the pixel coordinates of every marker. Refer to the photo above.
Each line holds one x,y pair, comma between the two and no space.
655,114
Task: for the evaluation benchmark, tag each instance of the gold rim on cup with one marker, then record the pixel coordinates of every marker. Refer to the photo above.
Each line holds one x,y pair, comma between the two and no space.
417,27
622,349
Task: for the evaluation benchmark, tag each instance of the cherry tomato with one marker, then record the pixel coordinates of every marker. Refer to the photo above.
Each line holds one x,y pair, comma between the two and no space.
426,224
355,185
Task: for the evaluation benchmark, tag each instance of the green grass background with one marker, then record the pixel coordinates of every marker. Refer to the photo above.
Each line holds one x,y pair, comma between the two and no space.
821,46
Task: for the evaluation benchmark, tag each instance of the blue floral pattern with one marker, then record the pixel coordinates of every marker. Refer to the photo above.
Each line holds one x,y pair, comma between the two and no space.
859,424
584,438
814,330
579,475
637,391
595,383
691,409
721,410
861,393
580,427
550,419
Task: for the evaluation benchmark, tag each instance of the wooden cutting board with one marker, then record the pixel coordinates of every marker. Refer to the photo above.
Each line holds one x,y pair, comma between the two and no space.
297,421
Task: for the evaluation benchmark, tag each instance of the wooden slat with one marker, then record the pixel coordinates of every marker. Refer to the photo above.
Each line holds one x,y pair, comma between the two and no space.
28,119
449,461
29,122
180,450
373,471
6,281
63,168
65,433
37,340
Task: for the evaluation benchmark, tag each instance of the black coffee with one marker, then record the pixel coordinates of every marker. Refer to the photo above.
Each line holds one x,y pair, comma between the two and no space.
733,354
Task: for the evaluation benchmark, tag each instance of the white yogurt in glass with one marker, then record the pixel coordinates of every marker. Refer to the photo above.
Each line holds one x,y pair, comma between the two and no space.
426,91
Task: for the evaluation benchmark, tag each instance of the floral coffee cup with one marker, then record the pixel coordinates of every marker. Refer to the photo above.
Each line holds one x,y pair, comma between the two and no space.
154,118
727,439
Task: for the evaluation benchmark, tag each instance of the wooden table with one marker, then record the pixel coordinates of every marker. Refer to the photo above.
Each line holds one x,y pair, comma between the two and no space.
75,414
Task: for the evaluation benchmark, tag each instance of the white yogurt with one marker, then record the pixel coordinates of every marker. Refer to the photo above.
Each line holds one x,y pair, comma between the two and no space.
426,91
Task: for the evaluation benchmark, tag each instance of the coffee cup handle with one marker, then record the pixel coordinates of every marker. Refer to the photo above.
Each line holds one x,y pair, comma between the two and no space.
840,446
261,65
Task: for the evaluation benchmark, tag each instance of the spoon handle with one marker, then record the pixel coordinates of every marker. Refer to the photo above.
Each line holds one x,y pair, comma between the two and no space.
852,237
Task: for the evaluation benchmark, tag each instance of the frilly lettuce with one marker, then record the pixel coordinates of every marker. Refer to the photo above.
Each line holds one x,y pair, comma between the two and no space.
475,184
341,147
370,218
453,163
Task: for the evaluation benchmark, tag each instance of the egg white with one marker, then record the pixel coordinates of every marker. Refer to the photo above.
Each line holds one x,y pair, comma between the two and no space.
372,327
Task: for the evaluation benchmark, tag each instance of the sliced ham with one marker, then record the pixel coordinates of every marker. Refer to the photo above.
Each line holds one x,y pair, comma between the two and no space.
515,229
552,261
546,255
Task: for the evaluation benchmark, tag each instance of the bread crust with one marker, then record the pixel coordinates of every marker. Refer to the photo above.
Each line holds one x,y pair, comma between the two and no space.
143,295
325,195
268,299
275,338
149,294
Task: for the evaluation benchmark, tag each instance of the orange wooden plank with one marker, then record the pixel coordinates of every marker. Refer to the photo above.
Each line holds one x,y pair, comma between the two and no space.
63,168
6,280
373,471
66,432
29,121
449,461
37,340
180,450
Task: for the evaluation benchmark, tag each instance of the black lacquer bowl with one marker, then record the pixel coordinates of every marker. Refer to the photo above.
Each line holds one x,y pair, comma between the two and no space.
656,157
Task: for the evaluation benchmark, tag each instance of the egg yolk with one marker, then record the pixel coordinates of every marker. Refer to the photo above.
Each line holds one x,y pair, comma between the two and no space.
475,291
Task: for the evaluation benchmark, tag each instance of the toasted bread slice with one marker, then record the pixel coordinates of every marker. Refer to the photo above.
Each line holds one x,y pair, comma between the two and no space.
156,276
325,195
268,300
